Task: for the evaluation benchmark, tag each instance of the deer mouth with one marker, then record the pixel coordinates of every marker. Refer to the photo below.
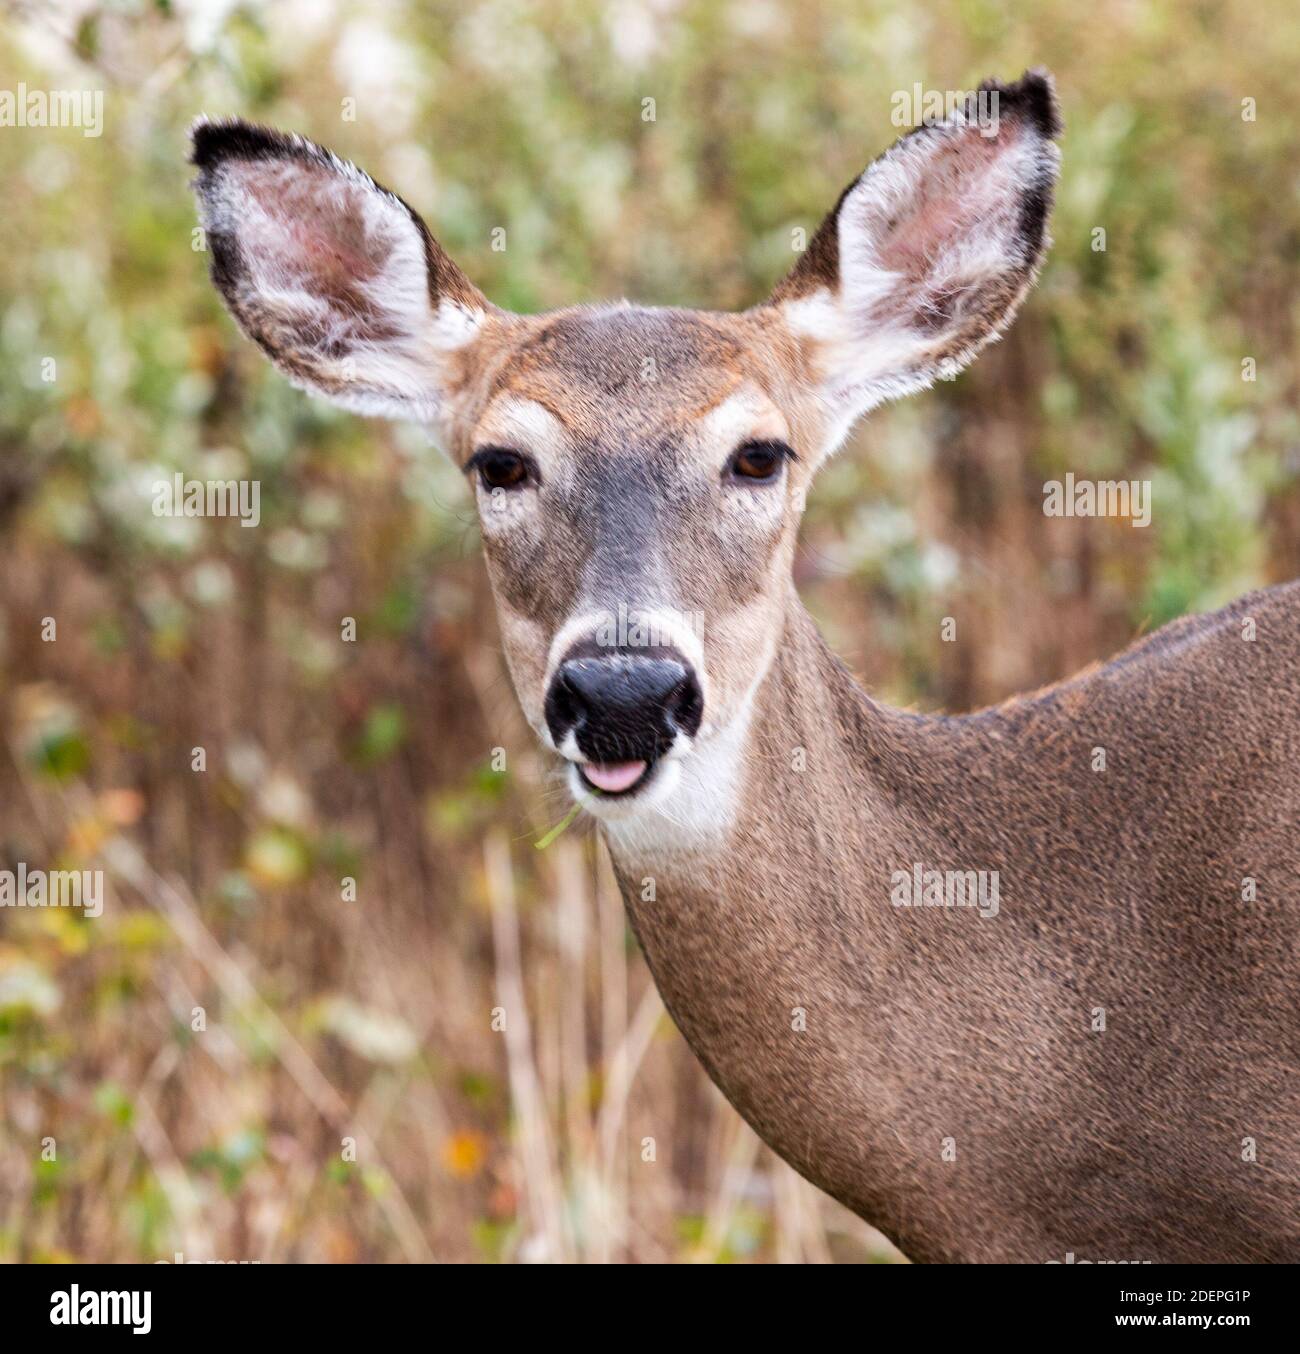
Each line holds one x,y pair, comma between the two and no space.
615,779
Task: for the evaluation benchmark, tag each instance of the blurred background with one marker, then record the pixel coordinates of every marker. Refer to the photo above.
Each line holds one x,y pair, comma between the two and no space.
247,1058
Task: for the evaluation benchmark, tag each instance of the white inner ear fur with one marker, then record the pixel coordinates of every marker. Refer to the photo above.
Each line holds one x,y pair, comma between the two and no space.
931,223
336,273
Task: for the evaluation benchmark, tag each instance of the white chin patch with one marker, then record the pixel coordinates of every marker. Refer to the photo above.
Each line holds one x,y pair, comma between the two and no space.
688,806
665,777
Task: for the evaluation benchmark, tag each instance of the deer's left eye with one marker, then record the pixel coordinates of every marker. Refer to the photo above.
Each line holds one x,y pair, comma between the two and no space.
759,461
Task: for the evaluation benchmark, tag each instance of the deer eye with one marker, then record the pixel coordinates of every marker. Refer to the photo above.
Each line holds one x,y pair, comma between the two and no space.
759,461
499,468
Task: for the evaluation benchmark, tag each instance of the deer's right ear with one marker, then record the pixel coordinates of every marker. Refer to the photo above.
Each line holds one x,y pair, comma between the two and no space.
928,254
336,278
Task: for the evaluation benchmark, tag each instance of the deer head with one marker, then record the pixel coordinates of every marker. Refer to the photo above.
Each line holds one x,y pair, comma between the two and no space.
639,472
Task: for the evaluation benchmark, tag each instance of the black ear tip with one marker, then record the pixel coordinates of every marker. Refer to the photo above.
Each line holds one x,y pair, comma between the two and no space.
207,138
212,141
1033,96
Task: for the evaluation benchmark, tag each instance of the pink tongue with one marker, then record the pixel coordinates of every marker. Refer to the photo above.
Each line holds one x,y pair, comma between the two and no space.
613,776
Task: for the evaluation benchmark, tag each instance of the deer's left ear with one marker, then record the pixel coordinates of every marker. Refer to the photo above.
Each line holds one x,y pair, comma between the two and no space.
335,278
928,253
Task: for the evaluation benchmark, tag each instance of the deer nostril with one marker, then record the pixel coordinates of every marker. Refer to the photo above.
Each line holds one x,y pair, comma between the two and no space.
566,700
685,704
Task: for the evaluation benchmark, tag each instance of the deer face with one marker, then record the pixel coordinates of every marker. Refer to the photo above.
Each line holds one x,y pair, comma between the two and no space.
639,473
638,487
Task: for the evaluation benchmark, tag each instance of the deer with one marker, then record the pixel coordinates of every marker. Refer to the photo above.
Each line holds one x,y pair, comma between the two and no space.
1095,1061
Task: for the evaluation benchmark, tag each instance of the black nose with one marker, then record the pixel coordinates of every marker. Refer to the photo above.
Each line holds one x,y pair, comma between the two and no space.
624,704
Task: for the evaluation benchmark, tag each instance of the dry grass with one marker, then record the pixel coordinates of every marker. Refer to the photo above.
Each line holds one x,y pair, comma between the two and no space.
469,1061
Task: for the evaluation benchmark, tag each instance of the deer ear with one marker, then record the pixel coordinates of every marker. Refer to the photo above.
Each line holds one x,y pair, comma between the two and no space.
928,254
336,278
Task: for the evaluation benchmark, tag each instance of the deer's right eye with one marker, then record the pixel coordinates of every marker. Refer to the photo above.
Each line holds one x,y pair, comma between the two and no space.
499,468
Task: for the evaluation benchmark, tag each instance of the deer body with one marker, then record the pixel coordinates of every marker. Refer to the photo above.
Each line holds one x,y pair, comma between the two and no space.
1097,1059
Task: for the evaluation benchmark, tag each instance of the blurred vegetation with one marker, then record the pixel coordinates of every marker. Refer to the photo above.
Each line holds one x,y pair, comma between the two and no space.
333,1015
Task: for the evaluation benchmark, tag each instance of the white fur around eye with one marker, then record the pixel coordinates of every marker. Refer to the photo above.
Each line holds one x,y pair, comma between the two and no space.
746,415
757,507
503,510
